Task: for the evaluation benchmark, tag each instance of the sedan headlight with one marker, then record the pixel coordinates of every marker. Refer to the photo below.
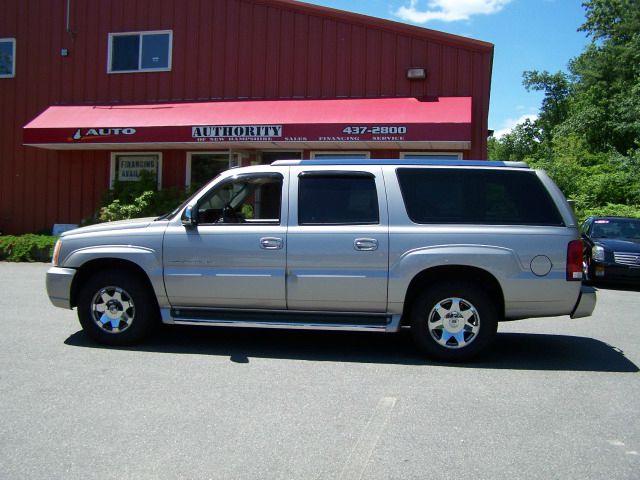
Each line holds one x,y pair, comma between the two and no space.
597,253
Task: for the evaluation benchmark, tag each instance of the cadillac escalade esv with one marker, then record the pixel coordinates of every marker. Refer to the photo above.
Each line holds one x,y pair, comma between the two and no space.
445,248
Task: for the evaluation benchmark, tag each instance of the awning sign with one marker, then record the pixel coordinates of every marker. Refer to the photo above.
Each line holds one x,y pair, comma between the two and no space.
243,133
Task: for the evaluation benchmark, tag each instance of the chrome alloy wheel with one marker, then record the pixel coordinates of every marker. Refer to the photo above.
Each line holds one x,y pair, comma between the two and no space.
112,309
453,323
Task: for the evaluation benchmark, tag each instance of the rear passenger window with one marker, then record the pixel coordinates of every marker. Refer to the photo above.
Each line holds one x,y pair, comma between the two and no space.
476,197
337,199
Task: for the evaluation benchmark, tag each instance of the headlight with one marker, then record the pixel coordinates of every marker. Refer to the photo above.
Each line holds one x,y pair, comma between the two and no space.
56,253
597,253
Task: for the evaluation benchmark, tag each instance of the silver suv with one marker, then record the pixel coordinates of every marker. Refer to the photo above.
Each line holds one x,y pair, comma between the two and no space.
447,249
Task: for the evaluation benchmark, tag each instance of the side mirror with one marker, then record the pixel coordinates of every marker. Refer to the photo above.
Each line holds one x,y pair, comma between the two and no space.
189,217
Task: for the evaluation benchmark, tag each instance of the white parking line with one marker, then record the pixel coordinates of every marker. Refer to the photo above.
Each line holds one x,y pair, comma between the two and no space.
359,457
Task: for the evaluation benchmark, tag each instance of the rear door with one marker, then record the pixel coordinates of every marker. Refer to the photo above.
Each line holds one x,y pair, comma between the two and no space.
338,240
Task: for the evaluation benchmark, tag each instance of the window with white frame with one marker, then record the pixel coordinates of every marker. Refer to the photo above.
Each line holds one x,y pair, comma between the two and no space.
203,167
338,155
7,57
140,51
134,167
431,156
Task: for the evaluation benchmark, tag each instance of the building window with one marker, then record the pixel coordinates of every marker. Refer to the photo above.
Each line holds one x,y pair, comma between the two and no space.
132,167
338,155
203,167
7,57
140,52
430,156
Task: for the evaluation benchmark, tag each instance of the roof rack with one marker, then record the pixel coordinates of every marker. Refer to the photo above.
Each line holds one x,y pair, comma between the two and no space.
401,161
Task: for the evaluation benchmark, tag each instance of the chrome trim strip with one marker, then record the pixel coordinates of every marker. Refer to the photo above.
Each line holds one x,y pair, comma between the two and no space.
283,325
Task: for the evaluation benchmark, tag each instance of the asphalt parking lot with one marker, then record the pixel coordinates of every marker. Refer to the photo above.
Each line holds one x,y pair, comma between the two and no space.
555,399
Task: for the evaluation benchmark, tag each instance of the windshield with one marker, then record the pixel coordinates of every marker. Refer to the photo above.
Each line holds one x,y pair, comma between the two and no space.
616,228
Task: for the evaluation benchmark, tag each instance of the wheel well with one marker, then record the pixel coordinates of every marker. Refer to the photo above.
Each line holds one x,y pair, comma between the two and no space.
477,276
94,266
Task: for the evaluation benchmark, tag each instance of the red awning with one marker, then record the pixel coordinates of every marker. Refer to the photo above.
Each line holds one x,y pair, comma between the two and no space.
443,123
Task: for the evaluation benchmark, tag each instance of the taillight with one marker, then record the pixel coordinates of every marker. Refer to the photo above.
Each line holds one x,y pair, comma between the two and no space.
574,261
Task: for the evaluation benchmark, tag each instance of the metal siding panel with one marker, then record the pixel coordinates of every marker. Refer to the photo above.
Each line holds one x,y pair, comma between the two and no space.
219,48
358,64
272,78
301,57
258,63
433,67
286,65
329,61
465,70
373,63
314,67
343,60
418,59
184,56
388,66
403,61
231,58
449,77
245,46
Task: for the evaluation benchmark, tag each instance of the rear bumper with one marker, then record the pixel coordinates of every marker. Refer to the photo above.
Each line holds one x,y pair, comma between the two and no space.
59,282
586,303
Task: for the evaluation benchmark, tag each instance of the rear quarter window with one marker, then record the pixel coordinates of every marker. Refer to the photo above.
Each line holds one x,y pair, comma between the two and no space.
468,196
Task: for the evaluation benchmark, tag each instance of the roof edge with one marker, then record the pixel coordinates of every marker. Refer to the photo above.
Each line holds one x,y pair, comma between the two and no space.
395,26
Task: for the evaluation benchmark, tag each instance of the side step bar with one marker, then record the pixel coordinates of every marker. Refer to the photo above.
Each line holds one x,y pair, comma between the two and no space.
355,322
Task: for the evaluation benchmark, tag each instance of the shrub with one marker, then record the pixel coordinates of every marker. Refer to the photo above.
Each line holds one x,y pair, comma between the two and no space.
27,248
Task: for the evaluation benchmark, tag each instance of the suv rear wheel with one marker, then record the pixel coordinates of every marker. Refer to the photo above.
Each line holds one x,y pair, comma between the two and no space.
454,321
117,308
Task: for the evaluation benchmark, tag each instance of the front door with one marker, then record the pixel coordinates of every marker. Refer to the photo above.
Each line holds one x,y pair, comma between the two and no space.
235,256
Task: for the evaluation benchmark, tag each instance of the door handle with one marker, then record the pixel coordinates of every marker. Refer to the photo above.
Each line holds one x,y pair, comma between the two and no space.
271,243
365,244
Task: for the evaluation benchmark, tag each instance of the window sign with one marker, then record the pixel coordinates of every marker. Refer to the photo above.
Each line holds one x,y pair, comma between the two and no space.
140,51
129,167
7,57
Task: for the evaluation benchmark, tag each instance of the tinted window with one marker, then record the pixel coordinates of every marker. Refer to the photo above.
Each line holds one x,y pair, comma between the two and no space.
337,199
476,197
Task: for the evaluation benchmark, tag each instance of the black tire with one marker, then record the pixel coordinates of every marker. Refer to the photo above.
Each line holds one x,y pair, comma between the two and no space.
130,308
467,311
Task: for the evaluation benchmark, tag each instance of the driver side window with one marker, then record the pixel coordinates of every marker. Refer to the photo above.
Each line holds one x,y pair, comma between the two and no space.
245,199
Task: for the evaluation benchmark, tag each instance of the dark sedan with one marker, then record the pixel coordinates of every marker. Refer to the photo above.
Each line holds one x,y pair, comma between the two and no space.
612,249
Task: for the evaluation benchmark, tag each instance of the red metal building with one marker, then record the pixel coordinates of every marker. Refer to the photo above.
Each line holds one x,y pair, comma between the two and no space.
97,90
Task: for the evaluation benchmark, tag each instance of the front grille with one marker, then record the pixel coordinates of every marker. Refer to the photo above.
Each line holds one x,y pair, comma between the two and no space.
627,258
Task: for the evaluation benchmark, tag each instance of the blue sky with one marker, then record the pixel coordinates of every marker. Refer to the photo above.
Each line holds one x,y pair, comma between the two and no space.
527,34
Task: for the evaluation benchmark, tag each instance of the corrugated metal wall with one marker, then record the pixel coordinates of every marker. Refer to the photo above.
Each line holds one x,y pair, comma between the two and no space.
222,49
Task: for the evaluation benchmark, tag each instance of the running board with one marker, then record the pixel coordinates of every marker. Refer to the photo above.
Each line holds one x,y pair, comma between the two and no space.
355,322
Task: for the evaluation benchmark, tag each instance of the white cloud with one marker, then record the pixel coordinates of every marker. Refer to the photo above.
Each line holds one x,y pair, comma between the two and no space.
449,10
510,123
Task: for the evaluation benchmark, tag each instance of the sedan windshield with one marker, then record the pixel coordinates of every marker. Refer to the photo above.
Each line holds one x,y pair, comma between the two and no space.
616,228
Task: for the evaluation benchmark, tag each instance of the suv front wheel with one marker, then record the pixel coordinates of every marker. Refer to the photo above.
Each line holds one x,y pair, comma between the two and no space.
117,308
454,321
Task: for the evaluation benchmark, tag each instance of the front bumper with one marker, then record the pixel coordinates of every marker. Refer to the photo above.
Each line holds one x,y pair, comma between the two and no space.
59,282
586,303
614,272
